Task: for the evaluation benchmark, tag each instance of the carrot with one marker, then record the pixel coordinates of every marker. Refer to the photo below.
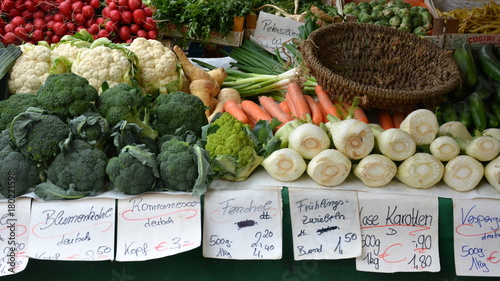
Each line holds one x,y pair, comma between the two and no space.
270,105
326,103
397,118
298,100
234,108
284,106
316,113
340,108
251,122
293,110
385,119
252,109
358,112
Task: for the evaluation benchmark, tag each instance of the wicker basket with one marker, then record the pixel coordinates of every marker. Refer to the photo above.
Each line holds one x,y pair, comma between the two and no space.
385,67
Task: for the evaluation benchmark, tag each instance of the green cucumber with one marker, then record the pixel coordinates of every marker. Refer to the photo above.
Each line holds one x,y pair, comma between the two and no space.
464,114
493,121
484,88
449,112
466,63
478,112
489,62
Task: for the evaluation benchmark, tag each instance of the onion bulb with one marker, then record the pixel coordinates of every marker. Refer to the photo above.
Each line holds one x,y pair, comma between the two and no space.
463,173
330,167
375,170
421,170
285,164
352,137
308,139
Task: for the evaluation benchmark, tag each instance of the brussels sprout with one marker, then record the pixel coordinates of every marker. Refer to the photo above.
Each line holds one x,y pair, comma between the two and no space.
395,21
376,15
378,8
404,12
426,16
417,22
406,20
364,18
388,13
404,28
427,25
420,31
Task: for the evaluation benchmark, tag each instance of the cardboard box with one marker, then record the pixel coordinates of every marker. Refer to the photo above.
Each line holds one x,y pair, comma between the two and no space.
233,39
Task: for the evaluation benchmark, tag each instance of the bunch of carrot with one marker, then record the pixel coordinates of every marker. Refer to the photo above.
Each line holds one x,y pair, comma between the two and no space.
296,105
389,120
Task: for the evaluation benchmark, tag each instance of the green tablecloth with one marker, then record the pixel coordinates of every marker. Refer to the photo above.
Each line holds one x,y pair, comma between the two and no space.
192,266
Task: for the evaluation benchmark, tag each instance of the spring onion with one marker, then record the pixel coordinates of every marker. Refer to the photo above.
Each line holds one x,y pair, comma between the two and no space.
330,167
421,170
285,164
375,170
463,173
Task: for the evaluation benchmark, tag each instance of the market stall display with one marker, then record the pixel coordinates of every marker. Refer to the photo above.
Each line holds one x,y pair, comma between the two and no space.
352,114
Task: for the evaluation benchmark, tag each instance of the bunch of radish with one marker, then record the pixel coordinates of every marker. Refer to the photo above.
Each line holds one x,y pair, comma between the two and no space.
30,21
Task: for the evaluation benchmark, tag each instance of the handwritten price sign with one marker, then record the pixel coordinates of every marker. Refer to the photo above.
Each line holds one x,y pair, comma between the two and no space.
325,224
399,233
14,223
164,224
477,237
82,230
243,224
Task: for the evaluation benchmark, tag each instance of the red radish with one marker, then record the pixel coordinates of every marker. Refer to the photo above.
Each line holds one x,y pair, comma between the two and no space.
50,25
48,17
37,35
8,4
18,21
113,6
127,17
115,15
71,27
58,17
93,29
55,39
49,33
29,27
148,11
134,28
79,18
14,13
27,15
125,33
123,3
149,24
88,11
77,6
100,20
111,26
102,33
96,4
39,24
134,4
2,23
152,34
9,27
105,12
139,16
30,5
9,38
21,33
20,5
65,8
39,14
142,33
60,28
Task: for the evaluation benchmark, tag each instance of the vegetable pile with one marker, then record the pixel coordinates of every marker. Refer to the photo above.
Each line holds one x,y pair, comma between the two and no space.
31,21
482,19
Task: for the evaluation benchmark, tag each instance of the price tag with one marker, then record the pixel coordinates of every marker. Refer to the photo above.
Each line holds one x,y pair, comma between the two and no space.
14,224
477,237
325,223
77,230
163,224
273,31
243,224
399,233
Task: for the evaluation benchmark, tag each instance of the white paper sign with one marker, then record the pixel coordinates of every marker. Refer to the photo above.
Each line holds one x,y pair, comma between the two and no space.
163,224
399,233
273,31
14,224
243,224
477,237
72,230
325,224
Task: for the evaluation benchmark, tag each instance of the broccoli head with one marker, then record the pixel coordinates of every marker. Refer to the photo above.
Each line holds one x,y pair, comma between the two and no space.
77,171
37,135
232,148
66,95
17,173
14,105
5,141
178,112
125,103
134,170
91,127
184,166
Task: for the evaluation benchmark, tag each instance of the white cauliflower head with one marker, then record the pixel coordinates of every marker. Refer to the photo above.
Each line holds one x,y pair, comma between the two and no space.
30,70
67,50
102,64
158,67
